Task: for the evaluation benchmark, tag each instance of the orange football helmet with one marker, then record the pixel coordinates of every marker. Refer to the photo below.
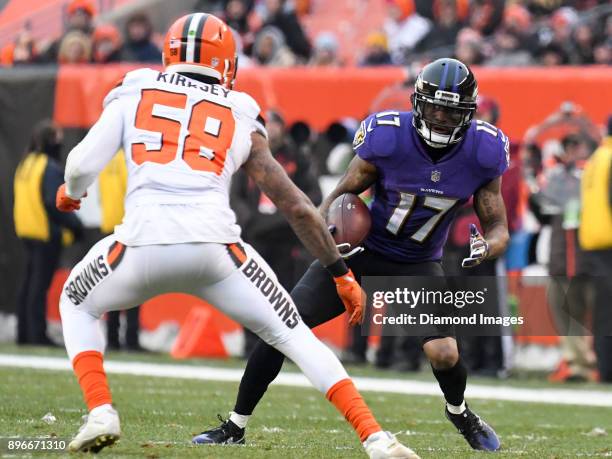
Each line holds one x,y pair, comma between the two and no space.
201,43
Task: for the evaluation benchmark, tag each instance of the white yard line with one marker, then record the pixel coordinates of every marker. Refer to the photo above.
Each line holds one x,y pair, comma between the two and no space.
395,386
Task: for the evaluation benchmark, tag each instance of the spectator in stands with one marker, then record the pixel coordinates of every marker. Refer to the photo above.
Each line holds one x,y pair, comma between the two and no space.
263,225
40,227
446,27
603,53
517,21
325,51
596,239
81,14
486,15
508,51
404,28
569,292
468,48
75,48
270,49
279,14
555,37
22,50
583,40
106,44
244,61
552,55
139,46
236,15
377,51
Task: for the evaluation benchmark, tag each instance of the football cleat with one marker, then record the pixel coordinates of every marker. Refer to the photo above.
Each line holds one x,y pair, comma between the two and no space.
383,445
227,433
476,432
98,431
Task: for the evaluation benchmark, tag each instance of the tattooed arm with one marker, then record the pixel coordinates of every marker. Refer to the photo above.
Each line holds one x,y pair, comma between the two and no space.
302,215
491,211
359,176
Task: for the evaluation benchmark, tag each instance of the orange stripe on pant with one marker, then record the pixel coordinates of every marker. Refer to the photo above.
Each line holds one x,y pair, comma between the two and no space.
238,252
348,401
114,254
89,369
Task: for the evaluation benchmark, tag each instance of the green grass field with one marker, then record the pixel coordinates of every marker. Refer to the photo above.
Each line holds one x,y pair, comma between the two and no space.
159,416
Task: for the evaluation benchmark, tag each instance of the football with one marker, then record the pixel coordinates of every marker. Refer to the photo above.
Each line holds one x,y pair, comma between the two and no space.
351,219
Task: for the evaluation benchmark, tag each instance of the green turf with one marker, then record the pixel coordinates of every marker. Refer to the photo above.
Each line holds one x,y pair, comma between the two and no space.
159,416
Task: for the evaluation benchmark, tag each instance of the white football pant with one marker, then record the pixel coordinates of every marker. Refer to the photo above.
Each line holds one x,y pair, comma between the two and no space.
233,278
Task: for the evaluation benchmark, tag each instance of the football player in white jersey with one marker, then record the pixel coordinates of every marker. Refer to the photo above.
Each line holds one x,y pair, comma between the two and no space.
185,132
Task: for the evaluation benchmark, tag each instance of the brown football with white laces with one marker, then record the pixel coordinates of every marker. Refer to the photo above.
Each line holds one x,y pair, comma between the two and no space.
351,219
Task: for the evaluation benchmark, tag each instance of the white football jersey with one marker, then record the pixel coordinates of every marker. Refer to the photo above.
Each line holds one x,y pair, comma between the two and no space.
183,141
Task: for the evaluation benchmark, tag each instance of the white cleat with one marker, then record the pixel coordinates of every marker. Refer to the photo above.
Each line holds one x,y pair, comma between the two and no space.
384,445
99,430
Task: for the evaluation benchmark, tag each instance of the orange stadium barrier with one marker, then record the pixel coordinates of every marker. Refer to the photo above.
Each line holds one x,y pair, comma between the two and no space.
321,96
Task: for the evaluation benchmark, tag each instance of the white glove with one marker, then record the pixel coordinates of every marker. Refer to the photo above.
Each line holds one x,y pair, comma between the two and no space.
479,249
345,249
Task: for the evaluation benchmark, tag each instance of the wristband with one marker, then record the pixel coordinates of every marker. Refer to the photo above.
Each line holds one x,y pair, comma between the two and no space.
338,268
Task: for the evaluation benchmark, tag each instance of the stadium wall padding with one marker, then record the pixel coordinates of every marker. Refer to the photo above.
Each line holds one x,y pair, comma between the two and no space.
73,96
320,96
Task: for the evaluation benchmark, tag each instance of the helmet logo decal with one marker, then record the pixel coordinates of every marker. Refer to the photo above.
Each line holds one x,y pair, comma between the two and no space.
448,96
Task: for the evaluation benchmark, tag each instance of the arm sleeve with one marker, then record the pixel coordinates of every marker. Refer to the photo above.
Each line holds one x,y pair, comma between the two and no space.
89,157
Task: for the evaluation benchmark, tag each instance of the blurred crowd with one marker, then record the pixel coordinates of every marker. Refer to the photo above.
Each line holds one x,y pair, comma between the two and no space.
273,33
85,41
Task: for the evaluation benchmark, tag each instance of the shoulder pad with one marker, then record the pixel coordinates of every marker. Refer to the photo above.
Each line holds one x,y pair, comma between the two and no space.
492,148
377,135
129,81
244,103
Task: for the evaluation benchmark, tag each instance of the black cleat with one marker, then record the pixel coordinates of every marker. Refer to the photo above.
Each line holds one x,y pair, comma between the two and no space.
227,433
477,433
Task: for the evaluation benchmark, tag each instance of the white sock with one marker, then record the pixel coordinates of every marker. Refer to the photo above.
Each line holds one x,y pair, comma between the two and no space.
104,407
239,419
375,436
456,409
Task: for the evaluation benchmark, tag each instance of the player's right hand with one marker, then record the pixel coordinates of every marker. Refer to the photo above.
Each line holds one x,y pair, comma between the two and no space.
352,296
65,203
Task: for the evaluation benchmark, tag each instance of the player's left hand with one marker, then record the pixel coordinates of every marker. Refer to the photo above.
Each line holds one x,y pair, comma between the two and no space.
64,202
479,249
352,296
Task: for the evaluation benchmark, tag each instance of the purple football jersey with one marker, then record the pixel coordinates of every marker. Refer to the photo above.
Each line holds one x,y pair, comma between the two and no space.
416,199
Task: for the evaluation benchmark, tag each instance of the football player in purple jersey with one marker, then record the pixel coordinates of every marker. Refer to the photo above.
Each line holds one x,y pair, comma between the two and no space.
424,165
